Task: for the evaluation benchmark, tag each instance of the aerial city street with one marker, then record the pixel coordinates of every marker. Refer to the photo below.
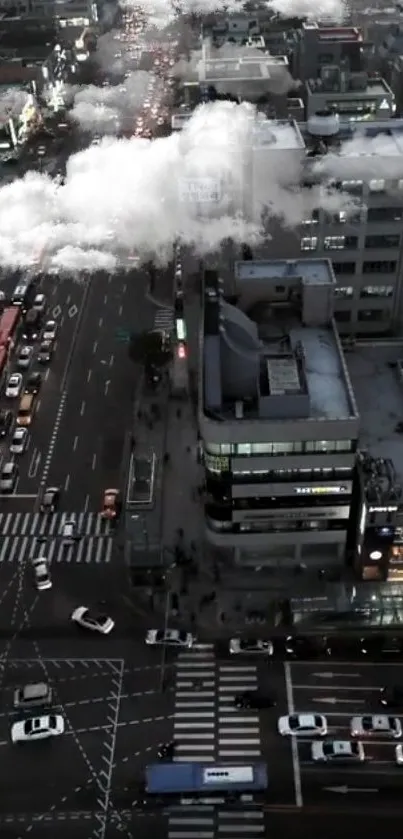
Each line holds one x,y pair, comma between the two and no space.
201,410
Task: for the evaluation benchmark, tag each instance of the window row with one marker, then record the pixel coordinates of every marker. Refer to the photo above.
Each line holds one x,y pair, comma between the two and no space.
345,292
364,316
369,267
356,216
275,526
356,187
341,243
296,447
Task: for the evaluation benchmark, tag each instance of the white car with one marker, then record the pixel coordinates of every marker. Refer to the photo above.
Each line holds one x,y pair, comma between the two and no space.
399,754
337,751
376,724
170,637
8,476
237,646
49,331
69,532
24,357
39,303
14,386
37,728
19,441
92,620
303,725
41,573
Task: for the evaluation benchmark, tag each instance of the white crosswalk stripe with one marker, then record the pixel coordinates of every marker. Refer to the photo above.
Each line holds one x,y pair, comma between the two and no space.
90,549
208,728
36,524
164,319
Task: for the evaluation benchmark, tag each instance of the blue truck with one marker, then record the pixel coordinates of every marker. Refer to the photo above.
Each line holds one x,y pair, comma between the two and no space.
200,778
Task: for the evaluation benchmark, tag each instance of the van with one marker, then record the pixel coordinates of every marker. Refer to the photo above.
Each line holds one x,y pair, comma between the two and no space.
32,325
32,696
21,293
25,410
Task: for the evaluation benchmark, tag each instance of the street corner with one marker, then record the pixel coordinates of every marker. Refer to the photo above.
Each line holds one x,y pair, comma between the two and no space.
343,692
72,770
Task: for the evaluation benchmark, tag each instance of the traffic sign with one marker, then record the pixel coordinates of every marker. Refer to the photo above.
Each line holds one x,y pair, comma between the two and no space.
57,311
72,311
384,106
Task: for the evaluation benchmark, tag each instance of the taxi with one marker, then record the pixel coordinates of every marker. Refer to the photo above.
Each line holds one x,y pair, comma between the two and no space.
111,504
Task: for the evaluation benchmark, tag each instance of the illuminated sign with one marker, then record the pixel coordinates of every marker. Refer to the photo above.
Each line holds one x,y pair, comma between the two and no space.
180,330
382,509
312,490
216,463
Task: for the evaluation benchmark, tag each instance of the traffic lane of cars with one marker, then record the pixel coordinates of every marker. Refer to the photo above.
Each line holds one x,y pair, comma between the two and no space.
342,691
31,463
98,410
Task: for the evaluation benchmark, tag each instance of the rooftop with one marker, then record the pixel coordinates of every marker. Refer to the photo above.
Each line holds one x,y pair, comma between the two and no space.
283,134
333,33
247,68
378,390
274,353
369,88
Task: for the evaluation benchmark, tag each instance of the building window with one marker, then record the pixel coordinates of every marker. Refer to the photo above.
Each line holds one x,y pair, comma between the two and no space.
313,220
379,214
334,243
309,243
384,266
244,448
344,217
382,242
293,447
326,446
343,291
279,289
353,187
377,291
262,448
344,267
371,315
377,185
342,317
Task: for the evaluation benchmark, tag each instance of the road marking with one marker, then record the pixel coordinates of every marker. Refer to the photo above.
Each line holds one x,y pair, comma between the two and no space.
89,374
332,700
111,361
56,312
72,311
75,444
82,409
34,464
95,347
100,322
53,439
67,482
94,461
338,688
294,745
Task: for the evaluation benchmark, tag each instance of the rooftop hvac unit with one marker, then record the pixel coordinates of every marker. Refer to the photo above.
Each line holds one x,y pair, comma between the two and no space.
324,124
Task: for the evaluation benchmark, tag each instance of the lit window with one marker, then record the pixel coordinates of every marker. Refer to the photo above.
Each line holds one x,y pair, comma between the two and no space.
244,448
334,243
309,243
343,291
377,291
377,185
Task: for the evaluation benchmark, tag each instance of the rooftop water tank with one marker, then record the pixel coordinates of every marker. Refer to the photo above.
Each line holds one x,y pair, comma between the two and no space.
324,124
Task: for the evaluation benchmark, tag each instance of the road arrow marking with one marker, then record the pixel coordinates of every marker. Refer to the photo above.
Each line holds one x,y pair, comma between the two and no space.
329,675
332,700
344,790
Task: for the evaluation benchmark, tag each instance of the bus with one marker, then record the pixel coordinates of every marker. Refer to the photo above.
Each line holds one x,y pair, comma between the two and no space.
8,325
3,363
175,778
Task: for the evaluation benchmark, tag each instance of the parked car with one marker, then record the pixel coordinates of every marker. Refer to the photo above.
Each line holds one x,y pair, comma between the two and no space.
337,751
32,695
303,725
240,646
37,728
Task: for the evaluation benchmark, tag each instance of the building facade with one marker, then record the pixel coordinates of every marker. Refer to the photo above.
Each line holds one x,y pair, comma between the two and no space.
277,417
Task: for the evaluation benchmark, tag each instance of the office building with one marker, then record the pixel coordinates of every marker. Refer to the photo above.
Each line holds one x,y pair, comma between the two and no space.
319,46
247,77
277,417
83,12
364,243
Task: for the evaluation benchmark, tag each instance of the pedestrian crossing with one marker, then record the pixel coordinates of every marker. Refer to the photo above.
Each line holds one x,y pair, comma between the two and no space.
37,524
89,549
164,319
208,728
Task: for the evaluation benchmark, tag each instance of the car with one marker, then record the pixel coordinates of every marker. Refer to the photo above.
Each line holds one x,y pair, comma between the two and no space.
45,352
6,421
376,724
49,331
41,573
111,505
392,697
337,751
303,725
19,441
37,728
399,754
32,324
24,357
69,532
33,383
89,619
32,695
50,500
170,637
304,647
254,699
14,386
8,476
39,303
239,646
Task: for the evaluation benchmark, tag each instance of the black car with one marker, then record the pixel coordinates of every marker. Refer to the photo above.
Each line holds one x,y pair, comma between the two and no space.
305,647
254,699
6,421
33,383
392,697
50,500
45,352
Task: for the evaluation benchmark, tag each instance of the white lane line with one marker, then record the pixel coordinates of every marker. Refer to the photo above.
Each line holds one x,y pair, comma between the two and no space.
82,409
294,746
75,444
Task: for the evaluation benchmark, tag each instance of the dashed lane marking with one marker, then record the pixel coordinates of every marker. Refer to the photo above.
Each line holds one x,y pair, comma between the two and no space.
53,439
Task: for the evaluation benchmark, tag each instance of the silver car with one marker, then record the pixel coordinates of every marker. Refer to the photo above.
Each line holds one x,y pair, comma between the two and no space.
41,573
239,646
19,441
8,476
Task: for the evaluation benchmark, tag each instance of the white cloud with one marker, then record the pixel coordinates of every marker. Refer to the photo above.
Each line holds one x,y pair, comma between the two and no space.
332,10
106,109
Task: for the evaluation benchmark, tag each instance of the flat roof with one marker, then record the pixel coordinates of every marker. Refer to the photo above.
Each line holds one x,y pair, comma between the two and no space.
374,87
281,134
379,396
247,68
389,132
327,387
311,271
